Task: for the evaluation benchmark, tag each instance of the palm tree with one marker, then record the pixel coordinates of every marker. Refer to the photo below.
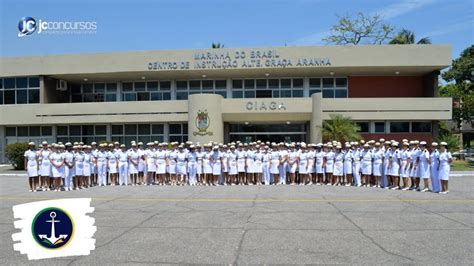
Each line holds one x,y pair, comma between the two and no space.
217,45
408,37
340,128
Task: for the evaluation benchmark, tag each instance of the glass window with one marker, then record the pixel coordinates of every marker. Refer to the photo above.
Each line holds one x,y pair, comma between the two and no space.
100,130
75,88
165,85
33,96
130,129
109,97
144,129
129,97
313,91
10,131
195,85
297,83
222,93
1,83
1,97
399,127
249,94
341,82
207,84
157,129
143,96
297,93
421,127
166,96
9,83
35,131
328,83
117,129
363,127
285,93
152,86
237,84
88,130
181,96
221,84
276,94
111,87
249,84
237,94
9,97
22,82
341,93
274,83
156,96
261,83
99,87
127,86
22,131
181,85
76,98
285,83
74,130
175,128
63,130
34,82
140,86
379,127
47,131
315,83
328,93
21,96
87,88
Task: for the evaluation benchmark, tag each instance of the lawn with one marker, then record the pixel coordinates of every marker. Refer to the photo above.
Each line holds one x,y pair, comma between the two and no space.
461,166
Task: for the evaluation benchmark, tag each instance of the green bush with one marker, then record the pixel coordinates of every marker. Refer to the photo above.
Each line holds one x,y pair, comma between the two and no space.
451,139
15,153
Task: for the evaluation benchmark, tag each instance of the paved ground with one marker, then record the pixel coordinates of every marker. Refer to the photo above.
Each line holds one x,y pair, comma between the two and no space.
264,224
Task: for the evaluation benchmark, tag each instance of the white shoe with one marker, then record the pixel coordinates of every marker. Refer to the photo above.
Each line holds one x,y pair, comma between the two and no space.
425,190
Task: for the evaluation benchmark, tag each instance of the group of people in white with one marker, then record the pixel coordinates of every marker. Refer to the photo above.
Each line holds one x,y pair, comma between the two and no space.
382,164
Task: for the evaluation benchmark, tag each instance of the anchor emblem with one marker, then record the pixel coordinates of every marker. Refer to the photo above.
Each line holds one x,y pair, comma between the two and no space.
53,239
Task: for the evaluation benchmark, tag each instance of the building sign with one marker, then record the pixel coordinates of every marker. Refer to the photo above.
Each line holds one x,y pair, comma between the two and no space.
223,59
264,106
202,123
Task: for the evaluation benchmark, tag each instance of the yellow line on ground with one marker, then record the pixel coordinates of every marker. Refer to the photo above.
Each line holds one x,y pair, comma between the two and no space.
263,200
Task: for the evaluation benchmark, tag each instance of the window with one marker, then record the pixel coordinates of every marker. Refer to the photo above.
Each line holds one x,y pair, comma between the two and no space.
331,87
267,88
186,88
137,132
20,90
419,127
47,131
84,133
178,132
379,127
396,127
93,92
363,127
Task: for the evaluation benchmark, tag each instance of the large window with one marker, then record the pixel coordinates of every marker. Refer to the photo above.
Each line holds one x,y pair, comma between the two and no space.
399,127
93,92
185,88
178,132
267,88
363,127
33,131
330,87
84,133
420,127
19,90
146,91
137,132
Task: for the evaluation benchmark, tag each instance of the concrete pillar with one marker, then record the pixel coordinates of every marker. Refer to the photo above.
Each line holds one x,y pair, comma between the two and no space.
166,132
205,118
316,122
3,145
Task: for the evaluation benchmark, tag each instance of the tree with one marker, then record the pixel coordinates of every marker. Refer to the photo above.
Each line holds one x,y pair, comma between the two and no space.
340,128
217,45
408,37
360,29
462,92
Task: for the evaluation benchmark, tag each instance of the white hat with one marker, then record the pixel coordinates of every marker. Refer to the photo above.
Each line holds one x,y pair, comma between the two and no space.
31,144
338,146
377,143
122,146
423,143
93,143
434,144
394,144
44,143
366,145
116,143
443,143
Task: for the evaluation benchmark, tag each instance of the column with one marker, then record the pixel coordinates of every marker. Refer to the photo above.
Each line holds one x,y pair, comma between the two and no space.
316,118
205,118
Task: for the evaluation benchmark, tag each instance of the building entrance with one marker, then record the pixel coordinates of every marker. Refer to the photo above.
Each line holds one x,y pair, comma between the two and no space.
268,132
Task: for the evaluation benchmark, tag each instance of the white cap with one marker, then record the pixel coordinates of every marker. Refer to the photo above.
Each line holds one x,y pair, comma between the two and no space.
443,143
423,143
434,144
31,144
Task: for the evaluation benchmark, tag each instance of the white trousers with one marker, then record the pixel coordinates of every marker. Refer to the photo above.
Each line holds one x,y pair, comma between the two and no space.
266,173
192,170
356,173
101,173
123,173
282,168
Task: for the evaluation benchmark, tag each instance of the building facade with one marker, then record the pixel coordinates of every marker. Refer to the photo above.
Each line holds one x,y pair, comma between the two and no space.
277,94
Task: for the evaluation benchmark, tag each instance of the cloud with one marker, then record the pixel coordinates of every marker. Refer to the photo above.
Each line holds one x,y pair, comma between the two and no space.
450,28
388,12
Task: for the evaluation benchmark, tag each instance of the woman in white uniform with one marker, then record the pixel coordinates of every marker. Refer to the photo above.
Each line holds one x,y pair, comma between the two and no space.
171,161
394,166
249,160
258,165
329,166
79,168
366,165
206,165
57,161
160,155
216,162
274,164
292,163
303,165
404,166
45,166
88,162
348,164
133,164
445,160
232,162
356,155
112,165
31,166
338,166
310,155
122,156
266,166
191,158
319,162
150,160
424,166
434,166
378,164
141,164
241,164
181,164
199,171
225,164
69,166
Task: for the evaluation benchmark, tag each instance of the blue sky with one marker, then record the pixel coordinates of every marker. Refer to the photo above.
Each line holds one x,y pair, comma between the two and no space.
183,24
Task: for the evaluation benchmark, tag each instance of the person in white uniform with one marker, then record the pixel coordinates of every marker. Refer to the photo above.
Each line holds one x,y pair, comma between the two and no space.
405,159
258,164
329,164
79,168
311,161
241,154
424,166
122,156
356,155
101,165
46,179
133,163
283,165
394,166
32,166
445,159
366,165
249,164
69,167
292,163
414,173
160,155
191,158
171,162
232,165
348,164
275,164
112,165
216,163
319,164
225,165
141,164
88,162
434,166
94,174
57,161
338,171
266,166
378,164
150,160
181,164
199,171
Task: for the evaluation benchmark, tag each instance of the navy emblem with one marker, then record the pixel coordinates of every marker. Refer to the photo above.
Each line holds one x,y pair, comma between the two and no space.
52,228
202,123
